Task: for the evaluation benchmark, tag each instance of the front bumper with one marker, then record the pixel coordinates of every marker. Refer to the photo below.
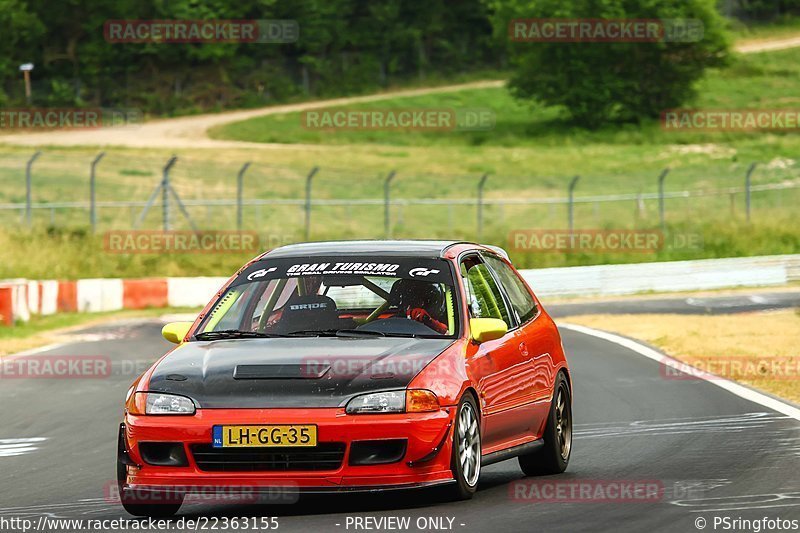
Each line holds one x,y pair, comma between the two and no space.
426,460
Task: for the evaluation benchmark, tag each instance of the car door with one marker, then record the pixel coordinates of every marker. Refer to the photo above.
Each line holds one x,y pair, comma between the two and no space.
499,367
535,335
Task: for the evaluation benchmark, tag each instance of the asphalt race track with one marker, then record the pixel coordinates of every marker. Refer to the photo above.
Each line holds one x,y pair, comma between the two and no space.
709,305
710,452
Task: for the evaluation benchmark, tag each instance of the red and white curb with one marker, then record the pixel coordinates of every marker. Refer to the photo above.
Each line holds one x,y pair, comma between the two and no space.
20,298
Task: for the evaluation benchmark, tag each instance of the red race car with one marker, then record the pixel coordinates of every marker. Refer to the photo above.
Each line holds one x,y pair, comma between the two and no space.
351,366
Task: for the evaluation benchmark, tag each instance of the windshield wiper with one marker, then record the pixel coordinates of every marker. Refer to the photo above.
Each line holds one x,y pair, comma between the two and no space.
416,335
313,333
234,334
237,334
336,333
357,332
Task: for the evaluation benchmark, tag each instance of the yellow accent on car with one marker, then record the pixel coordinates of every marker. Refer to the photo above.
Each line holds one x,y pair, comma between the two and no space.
451,312
176,331
222,307
477,277
487,329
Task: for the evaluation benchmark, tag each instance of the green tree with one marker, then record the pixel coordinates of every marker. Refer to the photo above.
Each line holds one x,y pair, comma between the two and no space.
761,9
598,82
344,47
21,29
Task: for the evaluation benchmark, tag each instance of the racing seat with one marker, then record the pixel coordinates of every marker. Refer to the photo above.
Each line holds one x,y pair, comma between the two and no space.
311,312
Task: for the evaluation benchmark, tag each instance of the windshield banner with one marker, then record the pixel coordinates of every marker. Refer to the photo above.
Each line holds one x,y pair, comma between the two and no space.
430,270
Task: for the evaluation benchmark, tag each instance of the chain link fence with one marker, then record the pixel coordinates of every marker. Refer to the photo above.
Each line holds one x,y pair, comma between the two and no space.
136,190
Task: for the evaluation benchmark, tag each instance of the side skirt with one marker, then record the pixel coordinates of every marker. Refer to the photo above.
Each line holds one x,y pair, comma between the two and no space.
510,453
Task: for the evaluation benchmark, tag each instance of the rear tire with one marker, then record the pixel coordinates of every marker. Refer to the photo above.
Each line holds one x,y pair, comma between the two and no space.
465,457
553,457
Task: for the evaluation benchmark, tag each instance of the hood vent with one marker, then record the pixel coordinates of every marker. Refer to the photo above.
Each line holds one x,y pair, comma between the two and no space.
308,371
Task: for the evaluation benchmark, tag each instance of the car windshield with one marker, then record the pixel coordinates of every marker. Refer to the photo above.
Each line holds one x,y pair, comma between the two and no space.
337,296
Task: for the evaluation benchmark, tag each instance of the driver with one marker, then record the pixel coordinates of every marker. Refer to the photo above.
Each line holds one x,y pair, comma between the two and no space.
420,301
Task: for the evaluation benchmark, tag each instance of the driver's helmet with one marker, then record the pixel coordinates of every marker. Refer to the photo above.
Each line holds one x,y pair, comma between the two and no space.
411,293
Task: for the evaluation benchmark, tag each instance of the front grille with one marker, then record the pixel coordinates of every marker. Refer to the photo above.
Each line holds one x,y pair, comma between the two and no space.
324,456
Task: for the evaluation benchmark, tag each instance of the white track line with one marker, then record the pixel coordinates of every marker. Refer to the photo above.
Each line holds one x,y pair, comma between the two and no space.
33,351
730,386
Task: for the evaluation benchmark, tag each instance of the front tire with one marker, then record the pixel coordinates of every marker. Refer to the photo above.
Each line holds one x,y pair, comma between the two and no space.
553,457
151,510
465,458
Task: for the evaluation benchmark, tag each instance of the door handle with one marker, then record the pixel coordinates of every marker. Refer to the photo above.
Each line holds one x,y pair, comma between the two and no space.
523,349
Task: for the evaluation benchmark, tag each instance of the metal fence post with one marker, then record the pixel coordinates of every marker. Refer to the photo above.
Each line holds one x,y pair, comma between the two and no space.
572,185
661,216
33,158
93,205
165,191
639,206
747,189
308,201
239,193
387,220
481,184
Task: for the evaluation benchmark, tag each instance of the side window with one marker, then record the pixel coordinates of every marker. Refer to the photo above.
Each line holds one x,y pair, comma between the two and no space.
521,300
483,295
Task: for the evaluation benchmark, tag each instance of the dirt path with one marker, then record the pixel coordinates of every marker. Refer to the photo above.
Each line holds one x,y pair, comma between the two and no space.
753,47
191,132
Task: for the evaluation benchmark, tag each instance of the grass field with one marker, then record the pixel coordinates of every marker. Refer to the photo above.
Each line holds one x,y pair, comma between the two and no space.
777,29
530,153
764,80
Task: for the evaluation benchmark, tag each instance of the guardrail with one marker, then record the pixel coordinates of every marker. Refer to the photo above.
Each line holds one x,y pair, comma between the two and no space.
19,298
671,276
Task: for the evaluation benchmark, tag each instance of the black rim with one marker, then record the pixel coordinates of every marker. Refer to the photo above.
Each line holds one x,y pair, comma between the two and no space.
563,421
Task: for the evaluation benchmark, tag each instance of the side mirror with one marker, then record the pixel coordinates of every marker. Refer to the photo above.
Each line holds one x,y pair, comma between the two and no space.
176,331
487,329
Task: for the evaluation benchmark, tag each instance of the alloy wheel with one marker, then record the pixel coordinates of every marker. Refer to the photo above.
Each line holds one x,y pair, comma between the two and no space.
469,444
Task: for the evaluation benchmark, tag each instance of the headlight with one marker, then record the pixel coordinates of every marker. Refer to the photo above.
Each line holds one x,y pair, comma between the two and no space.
416,400
159,403
378,402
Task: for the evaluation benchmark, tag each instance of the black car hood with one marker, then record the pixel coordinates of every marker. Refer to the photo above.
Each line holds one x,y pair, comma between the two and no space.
300,372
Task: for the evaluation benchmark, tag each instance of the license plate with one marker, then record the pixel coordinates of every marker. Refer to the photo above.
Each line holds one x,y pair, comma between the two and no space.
264,436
